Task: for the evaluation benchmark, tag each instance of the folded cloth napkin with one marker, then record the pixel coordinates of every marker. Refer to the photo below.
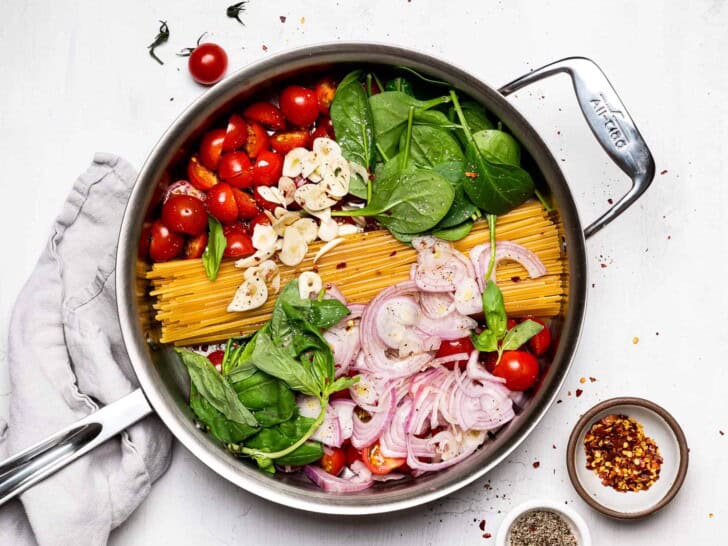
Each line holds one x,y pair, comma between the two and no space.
67,359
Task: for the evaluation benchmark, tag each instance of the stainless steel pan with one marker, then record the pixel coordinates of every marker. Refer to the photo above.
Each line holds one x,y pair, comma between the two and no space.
163,386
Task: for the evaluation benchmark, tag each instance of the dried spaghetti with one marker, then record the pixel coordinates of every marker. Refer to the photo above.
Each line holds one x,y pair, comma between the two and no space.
191,309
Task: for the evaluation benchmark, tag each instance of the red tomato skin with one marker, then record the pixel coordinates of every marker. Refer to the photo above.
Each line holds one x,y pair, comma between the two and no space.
333,459
239,244
285,142
195,247
221,203
267,114
247,207
267,169
235,169
185,214
378,463
325,91
200,176
216,357
510,323
453,347
261,219
211,148
208,63
236,134
262,203
257,140
299,105
165,244
541,342
352,454
324,128
519,369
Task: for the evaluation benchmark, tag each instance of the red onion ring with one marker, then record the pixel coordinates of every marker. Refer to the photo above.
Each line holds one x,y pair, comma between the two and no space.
504,250
365,434
182,187
361,480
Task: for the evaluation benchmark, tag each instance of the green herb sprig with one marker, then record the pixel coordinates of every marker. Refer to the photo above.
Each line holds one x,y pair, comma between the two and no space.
235,10
161,37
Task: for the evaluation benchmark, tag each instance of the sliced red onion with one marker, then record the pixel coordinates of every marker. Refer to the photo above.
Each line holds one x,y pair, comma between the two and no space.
476,371
365,434
362,479
449,358
344,410
481,406
368,390
437,304
344,339
329,433
470,442
440,268
504,250
452,326
388,477
182,187
394,318
333,293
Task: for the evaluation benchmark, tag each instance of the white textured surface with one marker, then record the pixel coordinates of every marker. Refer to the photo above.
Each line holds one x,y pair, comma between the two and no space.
76,78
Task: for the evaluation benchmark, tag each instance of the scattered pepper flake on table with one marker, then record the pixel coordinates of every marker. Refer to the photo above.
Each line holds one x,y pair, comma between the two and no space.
635,340
282,18
620,453
582,380
536,464
579,392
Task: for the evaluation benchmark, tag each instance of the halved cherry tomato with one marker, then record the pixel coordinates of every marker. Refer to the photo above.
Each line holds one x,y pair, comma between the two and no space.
285,142
299,105
144,241
262,219
195,247
541,342
257,140
208,63
200,176
453,347
211,148
488,360
510,323
333,459
216,358
267,169
324,128
519,369
236,134
235,169
325,90
378,463
267,114
185,214
239,243
247,209
263,203
221,203
352,454
165,244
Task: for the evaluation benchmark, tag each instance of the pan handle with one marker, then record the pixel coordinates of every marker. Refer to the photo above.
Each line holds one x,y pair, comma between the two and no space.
43,459
609,121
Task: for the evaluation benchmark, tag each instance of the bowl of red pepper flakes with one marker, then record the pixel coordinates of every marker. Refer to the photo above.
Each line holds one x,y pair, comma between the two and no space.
627,457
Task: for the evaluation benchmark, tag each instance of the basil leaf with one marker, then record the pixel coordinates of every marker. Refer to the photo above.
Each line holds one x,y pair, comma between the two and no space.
216,243
454,233
485,342
308,453
520,334
218,425
342,383
275,361
281,436
270,399
494,309
352,119
498,146
215,388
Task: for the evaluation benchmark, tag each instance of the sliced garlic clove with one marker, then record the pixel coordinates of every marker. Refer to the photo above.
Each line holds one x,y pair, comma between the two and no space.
349,229
294,161
271,194
264,237
328,246
268,270
275,284
250,295
310,165
312,197
256,259
307,227
287,187
337,177
309,283
358,170
285,220
328,230
294,248
326,150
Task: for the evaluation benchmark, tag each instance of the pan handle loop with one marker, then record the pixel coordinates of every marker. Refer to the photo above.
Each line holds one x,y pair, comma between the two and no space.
36,463
609,121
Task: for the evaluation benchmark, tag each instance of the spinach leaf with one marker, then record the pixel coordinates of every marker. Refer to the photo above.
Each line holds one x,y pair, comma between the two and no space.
494,187
220,427
352,119
454,233
215,388
494,309
216,243
270,399
520,334
431,146
399,84
476,117
462,209
357,186
498,146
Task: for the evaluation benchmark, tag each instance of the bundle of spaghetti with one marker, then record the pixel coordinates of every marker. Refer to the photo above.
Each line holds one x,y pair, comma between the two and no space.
193,310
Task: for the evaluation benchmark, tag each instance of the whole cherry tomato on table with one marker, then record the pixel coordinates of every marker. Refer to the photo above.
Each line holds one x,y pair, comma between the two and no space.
211,148
519,369
325,90
165,244
247,207
333,459
239,244
235,169
299,105
285,142
453,347
236,134
378,463
257,140
208,63
267,114
267,169
185,214
221,203
200,176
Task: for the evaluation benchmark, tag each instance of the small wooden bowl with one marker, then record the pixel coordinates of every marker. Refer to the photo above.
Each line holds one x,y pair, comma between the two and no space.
658,425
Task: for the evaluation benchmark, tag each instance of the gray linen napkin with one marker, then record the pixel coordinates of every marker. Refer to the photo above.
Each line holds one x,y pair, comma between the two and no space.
67,359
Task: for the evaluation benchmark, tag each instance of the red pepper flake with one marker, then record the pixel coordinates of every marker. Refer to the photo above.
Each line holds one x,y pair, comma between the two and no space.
482,525
341,265
265,47
559,401
721,433
536,464
393,253
664,171
669,237
553,446
603,265
487,535
593,379
558,132
471,174
516,279
579,392
610,201
282,18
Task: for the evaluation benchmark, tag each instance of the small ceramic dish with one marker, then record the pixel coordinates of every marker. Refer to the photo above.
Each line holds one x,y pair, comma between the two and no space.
576,523
662,428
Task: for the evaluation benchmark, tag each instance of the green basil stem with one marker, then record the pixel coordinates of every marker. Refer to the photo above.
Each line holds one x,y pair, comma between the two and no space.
491,231
546,206
408,138
293,447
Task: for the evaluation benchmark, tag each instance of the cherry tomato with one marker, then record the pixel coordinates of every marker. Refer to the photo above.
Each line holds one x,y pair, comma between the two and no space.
221,203
236,134
262,219
262,203
211,148
352,454
325,90
195,247
518,368
268,168
200,176
208,63
144,240
510,323
341,395
285,142
324,128
488,360
185,214
257,140
378,463
453,347
299,105
165,244
239,243
247,209
267,114
236,170
541,342
216,358
332,460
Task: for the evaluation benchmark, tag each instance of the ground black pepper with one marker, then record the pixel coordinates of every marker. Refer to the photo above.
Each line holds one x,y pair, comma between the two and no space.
541,528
